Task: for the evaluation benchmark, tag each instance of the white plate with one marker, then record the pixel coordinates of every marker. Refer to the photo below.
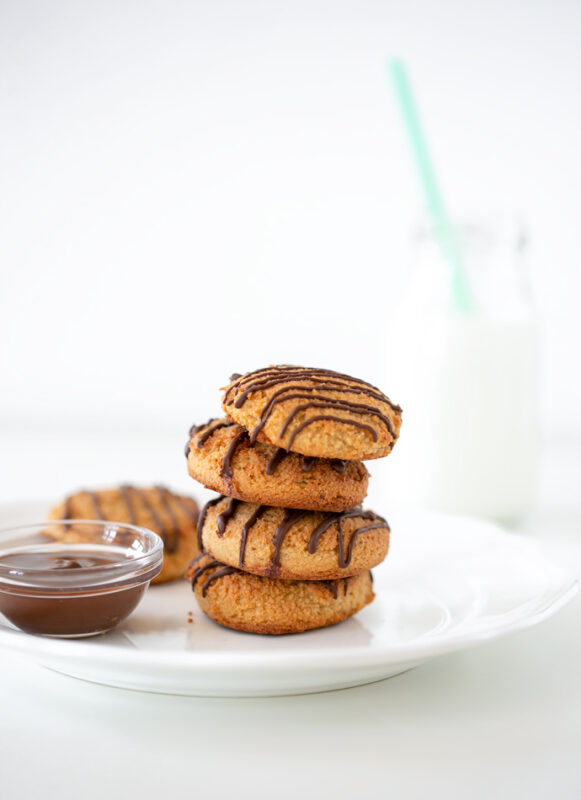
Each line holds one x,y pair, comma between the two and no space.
448,583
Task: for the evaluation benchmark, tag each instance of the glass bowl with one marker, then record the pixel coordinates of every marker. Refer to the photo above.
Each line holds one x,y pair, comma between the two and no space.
73,578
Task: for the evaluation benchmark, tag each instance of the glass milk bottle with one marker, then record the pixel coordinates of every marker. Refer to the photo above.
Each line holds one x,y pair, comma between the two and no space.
468,381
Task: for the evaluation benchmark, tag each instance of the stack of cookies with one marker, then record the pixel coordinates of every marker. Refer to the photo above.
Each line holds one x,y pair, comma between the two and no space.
286,546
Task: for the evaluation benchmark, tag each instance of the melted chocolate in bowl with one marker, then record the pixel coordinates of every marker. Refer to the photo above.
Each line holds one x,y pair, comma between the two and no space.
80,589
78,614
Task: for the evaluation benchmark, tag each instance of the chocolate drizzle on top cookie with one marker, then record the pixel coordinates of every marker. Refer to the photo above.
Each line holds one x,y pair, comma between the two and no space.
325,381
290,518
132,498
269,376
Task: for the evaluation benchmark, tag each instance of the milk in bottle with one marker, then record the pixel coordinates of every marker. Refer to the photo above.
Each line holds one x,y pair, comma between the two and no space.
468,382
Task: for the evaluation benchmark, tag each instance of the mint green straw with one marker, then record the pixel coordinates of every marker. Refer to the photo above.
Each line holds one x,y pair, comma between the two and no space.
444,231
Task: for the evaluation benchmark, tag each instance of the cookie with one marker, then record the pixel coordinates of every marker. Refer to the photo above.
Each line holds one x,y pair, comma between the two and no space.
314,412
250,603
170,515
289,543
221,457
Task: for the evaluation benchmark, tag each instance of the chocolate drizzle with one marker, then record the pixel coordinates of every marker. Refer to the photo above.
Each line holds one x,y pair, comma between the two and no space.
270,376
211,430
188,506
170,535
199,571
67,509
322,402
344,557
226,515
290,518
301,394
250,522
208,430
96,504
159,526
330,417
226,470
326,381
275,460
333,586
132,497
202,517
307,462
222,570
126,495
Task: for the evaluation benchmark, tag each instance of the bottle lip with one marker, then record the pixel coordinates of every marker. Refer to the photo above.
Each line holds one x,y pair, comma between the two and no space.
134,555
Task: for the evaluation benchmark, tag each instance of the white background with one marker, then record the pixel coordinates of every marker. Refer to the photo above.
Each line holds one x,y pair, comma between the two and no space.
195,188
189,189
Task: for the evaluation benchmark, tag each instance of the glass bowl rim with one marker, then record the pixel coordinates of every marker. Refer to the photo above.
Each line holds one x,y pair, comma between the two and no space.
137,565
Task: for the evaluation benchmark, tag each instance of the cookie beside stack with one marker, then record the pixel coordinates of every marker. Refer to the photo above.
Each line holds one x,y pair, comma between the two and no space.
170,515
286,547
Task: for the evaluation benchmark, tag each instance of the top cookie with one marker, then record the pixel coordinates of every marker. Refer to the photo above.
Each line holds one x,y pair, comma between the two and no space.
315,412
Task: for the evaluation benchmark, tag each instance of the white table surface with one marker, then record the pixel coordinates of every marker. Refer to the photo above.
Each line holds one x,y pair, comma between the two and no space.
502,720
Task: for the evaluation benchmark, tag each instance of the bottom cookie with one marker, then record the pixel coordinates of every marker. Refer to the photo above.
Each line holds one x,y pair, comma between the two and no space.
256,604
